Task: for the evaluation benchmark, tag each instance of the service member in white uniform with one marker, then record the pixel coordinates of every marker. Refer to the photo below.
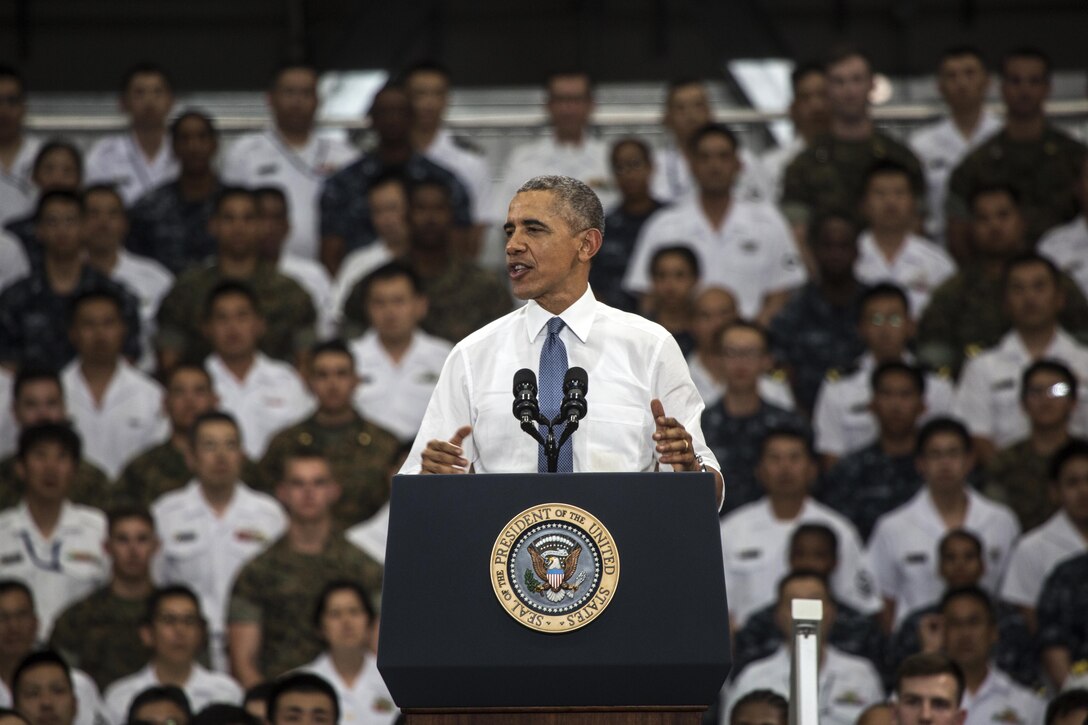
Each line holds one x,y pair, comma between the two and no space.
808,112
1063,536
141,159
175,636
46,541
903,547
291,154
17,150
88,706
743,246
398,364
214,525
962,80
1067,245
756,536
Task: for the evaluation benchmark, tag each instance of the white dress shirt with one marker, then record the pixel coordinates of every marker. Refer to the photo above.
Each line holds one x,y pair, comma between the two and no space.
128,421
13,262
395,394
847,684
988,398
629,361
371,535
17,192
1067,247
755,551
673,181
471,170
203,688
999,699
919,267
61,569
776,161
148,281
118,160
90,709
904,545
367,701
842,420
771,389
271,397
1035,556
314,278
752,254
266,159
588,162
204,550
940,147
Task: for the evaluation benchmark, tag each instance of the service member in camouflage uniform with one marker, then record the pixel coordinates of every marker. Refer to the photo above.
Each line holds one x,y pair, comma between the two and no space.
100,634
1018,475
287,310
37,397
462,296
274,596
164,468
830,172
1041,162
358,451
967,314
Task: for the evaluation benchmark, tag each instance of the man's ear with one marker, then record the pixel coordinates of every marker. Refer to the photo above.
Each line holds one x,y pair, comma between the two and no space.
590,244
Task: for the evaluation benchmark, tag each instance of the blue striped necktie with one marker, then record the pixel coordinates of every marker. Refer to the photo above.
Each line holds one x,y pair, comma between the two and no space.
553,366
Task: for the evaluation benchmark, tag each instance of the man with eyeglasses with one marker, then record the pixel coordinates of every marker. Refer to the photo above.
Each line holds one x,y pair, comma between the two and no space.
174,630
843,419
988,399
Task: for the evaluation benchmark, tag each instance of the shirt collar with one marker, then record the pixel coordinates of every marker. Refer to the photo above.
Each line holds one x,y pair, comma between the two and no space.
578,317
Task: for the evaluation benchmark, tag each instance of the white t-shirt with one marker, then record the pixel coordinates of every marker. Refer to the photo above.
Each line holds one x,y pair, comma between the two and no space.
118,160
904,546
988,398
367,701
129,420
312,277
999,699
60,570
919,268
265,159
471,170
271,397
203,688
1067,247
1035,556
395,394
755,549
752,254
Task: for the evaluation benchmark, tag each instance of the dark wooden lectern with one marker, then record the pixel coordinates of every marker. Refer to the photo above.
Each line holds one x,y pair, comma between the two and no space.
451,655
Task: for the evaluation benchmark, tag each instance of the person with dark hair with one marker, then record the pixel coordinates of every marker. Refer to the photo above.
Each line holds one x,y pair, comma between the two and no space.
170,223
256,701
43,689
808,114
817,329
428,87
902,545
396,362
216,524
1029,153
291,154
17,150
357,448
52,544
848,683
735,424
38,397
1049,396
175,631
139,160
289,315
100,632
744,246
274,595
219,713
1061,537
343,616
34,312
963,81
1068,708
1063,628
303,697
116,409
760,707
58,166
756,536
346,220
166,704
970,312
1067,245
830,172
889,250
929,691
674,277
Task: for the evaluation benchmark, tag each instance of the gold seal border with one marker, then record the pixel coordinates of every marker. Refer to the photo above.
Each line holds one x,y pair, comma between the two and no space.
566,514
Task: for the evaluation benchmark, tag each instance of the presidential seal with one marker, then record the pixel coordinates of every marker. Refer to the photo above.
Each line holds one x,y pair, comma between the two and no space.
554,568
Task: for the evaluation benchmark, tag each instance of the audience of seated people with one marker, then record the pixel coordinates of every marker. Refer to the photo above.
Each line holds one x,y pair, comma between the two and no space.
207,379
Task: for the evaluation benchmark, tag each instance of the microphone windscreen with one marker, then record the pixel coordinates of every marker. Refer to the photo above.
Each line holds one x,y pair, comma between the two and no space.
577,377
524,377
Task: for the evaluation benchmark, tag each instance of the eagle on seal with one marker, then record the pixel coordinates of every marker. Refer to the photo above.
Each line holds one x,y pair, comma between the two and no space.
555,570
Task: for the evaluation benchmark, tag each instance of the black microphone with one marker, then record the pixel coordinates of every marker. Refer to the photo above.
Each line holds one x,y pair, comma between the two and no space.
575,387
526,408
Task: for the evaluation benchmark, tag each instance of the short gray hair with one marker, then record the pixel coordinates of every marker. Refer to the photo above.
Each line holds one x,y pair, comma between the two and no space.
580,209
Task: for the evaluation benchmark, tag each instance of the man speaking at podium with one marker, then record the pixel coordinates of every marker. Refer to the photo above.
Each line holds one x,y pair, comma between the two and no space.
641,409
